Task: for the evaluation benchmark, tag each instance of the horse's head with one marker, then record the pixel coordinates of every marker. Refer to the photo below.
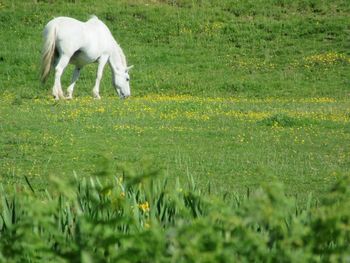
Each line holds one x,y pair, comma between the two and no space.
122,82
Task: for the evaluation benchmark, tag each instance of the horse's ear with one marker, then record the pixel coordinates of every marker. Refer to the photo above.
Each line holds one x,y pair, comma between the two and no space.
130,67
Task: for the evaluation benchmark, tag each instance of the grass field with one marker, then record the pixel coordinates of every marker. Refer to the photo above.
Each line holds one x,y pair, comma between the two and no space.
233,143
239,65
234,94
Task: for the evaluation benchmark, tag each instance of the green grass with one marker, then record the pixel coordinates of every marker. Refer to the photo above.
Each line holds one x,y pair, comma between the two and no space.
236,48
234,144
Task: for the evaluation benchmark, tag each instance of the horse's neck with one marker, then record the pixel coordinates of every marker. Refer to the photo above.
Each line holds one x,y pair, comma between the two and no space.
117,58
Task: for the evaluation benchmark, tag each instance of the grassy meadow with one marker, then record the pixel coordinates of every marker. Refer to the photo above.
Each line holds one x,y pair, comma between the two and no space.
228,97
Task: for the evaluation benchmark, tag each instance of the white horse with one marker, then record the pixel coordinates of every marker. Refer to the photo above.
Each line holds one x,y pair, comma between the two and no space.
67,40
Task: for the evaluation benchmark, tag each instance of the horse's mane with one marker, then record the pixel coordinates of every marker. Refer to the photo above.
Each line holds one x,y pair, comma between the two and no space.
93,17
121,54
118,48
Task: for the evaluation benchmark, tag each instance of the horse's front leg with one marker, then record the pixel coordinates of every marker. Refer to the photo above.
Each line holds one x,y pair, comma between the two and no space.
61,65
101,64
75,77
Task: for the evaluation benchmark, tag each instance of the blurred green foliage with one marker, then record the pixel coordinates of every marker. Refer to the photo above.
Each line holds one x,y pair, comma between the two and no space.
132,215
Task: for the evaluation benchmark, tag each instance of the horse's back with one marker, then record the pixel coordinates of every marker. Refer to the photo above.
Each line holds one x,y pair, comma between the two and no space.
64,24
98,31
69,27
83,41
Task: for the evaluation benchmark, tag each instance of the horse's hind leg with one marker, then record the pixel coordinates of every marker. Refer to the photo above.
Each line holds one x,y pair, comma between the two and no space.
57,88
75,77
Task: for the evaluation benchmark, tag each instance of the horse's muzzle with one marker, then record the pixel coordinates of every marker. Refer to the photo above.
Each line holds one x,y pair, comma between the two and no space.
123,97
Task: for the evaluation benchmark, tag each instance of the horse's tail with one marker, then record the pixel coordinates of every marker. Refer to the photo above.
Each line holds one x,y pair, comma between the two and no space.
48,52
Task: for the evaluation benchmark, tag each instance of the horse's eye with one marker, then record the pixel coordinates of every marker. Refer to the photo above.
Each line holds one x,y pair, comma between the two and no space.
127,79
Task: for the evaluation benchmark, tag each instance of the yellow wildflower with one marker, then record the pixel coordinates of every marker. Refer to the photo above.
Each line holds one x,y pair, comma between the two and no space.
144,207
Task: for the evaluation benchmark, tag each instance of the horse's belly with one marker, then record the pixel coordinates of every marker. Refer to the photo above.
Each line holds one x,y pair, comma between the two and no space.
81,58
